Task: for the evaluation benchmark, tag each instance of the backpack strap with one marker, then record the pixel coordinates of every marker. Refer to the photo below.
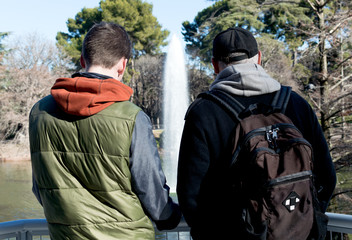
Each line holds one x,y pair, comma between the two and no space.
281,99
238,112
225,101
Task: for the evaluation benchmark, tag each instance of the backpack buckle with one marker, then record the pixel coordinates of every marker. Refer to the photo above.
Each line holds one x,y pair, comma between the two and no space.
272,136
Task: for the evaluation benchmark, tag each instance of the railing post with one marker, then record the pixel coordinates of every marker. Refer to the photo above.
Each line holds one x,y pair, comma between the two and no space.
23,234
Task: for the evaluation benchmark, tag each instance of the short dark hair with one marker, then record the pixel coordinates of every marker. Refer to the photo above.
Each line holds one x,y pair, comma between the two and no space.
105,44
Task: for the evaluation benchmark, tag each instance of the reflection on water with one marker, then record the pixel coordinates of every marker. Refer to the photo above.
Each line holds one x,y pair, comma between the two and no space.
16,199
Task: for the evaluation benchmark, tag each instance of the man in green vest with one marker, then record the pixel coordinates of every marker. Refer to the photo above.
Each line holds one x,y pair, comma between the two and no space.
96,168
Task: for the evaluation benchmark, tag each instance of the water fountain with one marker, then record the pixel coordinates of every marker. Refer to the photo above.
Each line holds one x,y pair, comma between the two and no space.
175,104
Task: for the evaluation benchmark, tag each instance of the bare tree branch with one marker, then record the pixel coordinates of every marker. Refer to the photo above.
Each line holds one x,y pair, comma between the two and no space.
341,22
312,5
341,81
342,192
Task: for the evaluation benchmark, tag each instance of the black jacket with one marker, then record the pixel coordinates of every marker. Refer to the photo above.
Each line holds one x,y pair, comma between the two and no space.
205,152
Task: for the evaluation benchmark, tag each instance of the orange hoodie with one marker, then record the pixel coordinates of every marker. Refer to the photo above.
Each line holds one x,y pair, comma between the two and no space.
82,96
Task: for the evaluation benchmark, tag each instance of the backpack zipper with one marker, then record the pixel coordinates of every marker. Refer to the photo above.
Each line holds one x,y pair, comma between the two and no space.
263,131
289,178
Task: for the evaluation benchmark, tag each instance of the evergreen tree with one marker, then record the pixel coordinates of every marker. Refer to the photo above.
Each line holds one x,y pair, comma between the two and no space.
134,15
72,42
216,18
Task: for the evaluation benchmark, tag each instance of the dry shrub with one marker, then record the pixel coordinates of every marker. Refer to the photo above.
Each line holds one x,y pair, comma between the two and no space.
28,71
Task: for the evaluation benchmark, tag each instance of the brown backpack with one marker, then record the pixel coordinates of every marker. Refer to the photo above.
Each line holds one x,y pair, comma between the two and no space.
272,167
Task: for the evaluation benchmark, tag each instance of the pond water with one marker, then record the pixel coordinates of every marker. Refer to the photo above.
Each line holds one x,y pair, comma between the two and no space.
16,198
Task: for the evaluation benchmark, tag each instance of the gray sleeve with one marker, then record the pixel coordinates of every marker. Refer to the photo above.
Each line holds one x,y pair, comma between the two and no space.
148,179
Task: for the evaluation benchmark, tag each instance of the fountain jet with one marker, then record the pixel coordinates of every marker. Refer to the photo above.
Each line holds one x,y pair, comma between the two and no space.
175,104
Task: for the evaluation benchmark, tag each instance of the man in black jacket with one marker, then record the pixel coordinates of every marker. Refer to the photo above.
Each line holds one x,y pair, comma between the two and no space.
206,147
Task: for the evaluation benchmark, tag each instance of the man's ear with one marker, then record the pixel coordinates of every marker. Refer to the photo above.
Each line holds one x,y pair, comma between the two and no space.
215,65
259,57
121,66
82,62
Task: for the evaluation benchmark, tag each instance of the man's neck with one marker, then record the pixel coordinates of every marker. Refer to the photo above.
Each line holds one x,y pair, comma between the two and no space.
103,71
91,75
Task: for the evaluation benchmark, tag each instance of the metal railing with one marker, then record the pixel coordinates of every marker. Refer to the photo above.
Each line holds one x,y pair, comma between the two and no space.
26,229
339,225
36,229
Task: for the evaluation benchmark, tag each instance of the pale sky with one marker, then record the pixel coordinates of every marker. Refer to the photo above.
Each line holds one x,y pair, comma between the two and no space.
47,17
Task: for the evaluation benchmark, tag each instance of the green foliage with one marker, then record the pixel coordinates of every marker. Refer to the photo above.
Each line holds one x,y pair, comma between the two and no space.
134,15
285,20
2,36
244,14
199,34
288,21
216,18
260,17
72,42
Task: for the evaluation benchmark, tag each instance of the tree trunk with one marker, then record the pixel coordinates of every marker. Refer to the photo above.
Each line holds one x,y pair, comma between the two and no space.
343,124
324,109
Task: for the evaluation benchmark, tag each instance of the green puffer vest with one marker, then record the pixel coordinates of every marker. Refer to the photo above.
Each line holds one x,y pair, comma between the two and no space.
81,165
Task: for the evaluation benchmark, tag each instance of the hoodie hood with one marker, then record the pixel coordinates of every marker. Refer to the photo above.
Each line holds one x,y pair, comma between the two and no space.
245,80
83,96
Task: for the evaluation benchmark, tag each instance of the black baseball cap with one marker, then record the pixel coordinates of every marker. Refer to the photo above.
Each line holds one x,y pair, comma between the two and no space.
234,40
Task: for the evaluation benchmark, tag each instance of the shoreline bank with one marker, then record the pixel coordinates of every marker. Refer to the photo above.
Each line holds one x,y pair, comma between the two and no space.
14,152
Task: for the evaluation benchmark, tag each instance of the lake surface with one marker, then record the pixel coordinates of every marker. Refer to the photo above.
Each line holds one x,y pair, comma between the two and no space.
16,198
